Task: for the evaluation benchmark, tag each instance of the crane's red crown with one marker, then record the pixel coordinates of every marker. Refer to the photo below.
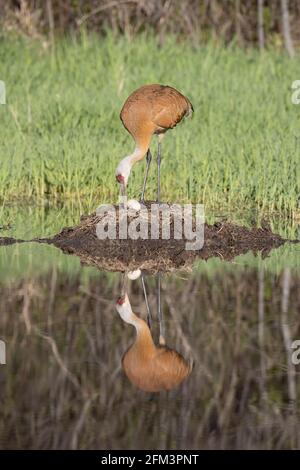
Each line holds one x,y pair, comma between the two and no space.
120,178
121,300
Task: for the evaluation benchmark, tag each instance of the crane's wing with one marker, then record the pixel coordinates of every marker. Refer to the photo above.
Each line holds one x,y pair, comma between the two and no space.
169,107
170,368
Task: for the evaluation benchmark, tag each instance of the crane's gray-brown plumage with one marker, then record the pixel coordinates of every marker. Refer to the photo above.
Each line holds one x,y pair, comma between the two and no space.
152,109
149,367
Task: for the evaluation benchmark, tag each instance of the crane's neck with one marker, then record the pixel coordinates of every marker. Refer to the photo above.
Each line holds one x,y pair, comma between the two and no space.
134,157
139,324
144,345
144,341
142,141
125,165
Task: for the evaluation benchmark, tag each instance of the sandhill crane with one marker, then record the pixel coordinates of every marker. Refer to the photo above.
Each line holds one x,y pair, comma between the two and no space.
149,367
152,109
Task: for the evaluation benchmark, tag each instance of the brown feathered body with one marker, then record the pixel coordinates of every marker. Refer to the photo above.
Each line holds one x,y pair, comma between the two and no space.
153,109
153,368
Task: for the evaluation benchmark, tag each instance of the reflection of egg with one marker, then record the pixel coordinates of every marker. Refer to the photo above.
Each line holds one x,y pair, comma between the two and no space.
134,204
134,274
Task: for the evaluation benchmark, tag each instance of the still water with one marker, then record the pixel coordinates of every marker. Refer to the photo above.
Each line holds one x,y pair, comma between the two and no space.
228,326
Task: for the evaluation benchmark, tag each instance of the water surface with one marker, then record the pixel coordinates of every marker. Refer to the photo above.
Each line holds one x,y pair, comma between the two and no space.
63,385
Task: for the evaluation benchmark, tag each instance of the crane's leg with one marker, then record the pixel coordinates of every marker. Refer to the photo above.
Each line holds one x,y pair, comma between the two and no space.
148,161
158,167
159,312
149,316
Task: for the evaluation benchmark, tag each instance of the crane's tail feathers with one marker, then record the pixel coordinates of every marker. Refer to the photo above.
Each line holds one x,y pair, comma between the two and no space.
190,110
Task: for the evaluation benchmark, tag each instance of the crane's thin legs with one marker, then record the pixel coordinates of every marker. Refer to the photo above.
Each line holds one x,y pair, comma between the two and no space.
149,316
159,312
148,160
158,170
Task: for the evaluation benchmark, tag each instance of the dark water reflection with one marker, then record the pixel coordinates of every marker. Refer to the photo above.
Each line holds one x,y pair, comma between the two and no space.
63,385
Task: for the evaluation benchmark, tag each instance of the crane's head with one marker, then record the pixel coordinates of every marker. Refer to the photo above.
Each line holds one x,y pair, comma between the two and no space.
123,172
123,308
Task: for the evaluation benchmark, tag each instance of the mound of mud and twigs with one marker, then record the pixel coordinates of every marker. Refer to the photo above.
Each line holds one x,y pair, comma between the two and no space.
223,239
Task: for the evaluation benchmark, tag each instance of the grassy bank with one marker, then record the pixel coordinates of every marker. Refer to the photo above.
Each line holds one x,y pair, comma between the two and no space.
61,136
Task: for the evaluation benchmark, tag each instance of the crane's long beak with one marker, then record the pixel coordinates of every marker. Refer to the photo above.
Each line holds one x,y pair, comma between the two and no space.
124,284
120,179
122,189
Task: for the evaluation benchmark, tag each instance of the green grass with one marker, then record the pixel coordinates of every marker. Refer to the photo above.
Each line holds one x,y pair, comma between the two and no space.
61,137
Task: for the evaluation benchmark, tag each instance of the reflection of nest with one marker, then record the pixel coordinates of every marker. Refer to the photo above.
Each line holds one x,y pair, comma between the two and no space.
224,240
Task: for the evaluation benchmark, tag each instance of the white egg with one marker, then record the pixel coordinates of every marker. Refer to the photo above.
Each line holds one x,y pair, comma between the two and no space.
134,204
134,274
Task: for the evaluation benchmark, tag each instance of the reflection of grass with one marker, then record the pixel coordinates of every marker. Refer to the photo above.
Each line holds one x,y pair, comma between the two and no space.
62,386
61,136
32,260
285,256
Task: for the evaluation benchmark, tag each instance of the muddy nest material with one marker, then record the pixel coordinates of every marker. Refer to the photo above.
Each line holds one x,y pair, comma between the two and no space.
223,239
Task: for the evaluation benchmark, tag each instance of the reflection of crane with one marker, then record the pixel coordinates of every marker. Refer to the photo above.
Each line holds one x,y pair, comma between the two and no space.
149,367
152,109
